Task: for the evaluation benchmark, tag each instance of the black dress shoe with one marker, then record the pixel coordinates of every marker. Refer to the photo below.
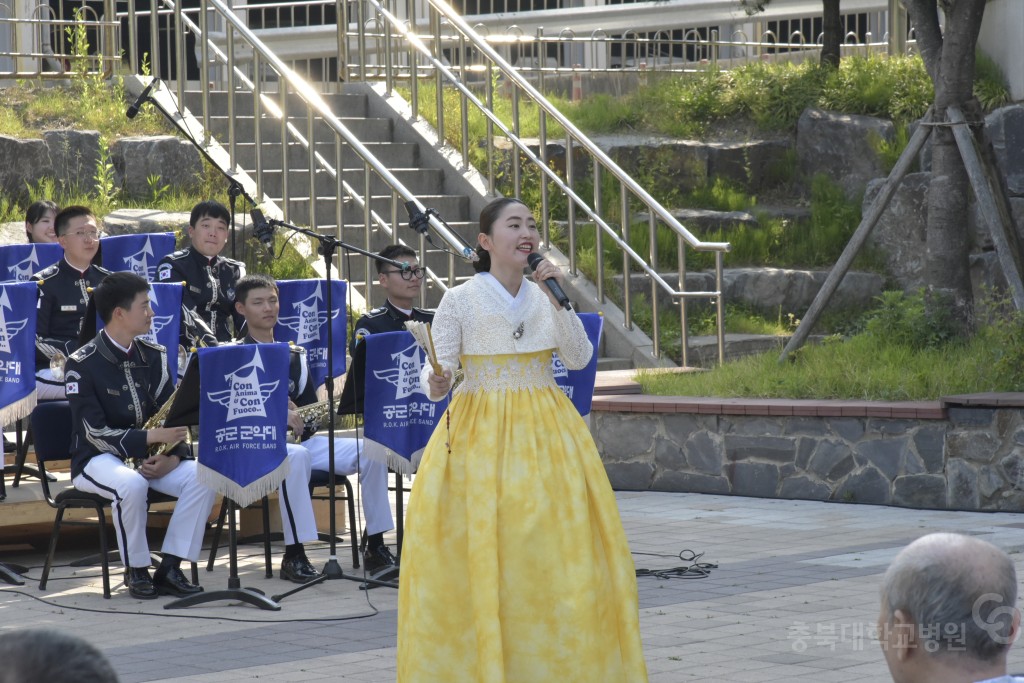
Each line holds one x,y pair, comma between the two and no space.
298,570
376,559
140,586
175,583
9,446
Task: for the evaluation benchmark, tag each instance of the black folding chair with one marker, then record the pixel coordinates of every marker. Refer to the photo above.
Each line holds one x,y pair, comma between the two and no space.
51,424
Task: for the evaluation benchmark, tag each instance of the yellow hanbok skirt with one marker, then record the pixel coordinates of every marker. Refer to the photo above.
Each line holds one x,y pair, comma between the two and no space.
515,566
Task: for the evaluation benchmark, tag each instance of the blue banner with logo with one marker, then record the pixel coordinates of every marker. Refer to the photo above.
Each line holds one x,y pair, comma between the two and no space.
243,415
399,417
303,319
138,253
17,350
18,262
165,300
578,385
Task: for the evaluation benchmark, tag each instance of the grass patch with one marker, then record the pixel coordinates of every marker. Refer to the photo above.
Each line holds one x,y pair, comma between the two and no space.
29,108
905,351
864,367
771,94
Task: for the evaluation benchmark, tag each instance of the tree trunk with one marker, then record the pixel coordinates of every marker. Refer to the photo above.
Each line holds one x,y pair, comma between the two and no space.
832,33
949,59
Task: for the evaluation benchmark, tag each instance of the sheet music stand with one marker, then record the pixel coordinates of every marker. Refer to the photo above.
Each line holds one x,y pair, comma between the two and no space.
184,412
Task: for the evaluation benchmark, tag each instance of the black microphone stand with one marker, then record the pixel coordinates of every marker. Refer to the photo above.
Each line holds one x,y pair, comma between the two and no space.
235,190
328,245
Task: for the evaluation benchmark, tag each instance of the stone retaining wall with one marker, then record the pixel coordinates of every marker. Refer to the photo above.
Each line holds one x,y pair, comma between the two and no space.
960,453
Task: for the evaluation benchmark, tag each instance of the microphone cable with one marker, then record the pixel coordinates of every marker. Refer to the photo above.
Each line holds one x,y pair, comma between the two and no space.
692,567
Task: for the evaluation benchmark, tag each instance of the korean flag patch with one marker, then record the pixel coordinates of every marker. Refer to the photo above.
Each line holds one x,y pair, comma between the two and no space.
71,383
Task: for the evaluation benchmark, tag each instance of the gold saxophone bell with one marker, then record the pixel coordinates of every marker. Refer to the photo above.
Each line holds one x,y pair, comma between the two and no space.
57,362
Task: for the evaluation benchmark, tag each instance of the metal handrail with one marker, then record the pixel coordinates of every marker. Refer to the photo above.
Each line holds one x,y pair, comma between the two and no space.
467,38
315,107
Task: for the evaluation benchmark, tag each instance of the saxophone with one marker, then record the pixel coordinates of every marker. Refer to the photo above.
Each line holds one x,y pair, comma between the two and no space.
313,416
160,416
156,421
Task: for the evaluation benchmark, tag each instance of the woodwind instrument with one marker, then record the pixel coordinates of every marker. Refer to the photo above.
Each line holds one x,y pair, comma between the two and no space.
313,416
160,416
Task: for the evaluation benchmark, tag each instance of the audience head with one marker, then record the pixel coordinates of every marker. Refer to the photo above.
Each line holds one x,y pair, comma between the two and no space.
42,655
39,222
948,610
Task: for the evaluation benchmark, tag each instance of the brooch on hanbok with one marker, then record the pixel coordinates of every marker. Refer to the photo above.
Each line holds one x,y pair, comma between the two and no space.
519,331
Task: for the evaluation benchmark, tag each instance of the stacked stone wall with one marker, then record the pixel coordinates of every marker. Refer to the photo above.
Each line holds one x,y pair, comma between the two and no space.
970,459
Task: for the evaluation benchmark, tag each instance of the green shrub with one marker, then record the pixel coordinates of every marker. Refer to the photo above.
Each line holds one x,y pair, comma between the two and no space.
989,83
775,94
911,320
893,87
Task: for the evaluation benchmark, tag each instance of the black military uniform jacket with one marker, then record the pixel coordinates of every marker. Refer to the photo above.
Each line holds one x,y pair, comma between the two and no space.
300,389
209,289
63,299
112,394
386,318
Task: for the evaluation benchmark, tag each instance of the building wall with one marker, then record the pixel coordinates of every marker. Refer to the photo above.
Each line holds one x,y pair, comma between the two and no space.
1002,39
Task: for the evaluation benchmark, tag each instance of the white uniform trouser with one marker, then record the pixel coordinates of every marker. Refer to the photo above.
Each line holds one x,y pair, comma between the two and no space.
297,518
47,388
106,475
373,478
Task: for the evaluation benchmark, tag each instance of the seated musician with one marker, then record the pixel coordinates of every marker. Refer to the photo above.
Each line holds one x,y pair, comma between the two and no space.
114,384
256,299
209,277
63,295
402,291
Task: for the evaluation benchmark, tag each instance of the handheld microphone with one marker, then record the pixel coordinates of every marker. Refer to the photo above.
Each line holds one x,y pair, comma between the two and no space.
262,229
133,110
418,220
534,260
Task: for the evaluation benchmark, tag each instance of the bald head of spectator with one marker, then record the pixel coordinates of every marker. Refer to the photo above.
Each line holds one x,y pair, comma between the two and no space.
43,655
948,611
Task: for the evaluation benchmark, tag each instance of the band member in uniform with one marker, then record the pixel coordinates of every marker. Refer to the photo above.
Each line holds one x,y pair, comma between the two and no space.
114,384
64,294
297,517
210,278
257,301
402,288
39,222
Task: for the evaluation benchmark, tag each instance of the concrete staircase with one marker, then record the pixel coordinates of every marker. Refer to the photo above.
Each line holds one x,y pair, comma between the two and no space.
403,155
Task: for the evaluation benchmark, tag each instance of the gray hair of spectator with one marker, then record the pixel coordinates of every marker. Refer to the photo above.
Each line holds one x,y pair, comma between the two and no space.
960,593
42,655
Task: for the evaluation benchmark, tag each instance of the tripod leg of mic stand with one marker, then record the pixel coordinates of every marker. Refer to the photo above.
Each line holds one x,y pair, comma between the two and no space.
382,578
234,591
247,595
282,596
11,574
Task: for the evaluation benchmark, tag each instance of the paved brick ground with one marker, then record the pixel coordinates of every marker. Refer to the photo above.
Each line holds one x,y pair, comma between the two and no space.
794,597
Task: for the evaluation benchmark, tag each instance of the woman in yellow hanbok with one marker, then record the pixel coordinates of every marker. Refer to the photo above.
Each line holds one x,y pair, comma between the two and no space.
515,566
